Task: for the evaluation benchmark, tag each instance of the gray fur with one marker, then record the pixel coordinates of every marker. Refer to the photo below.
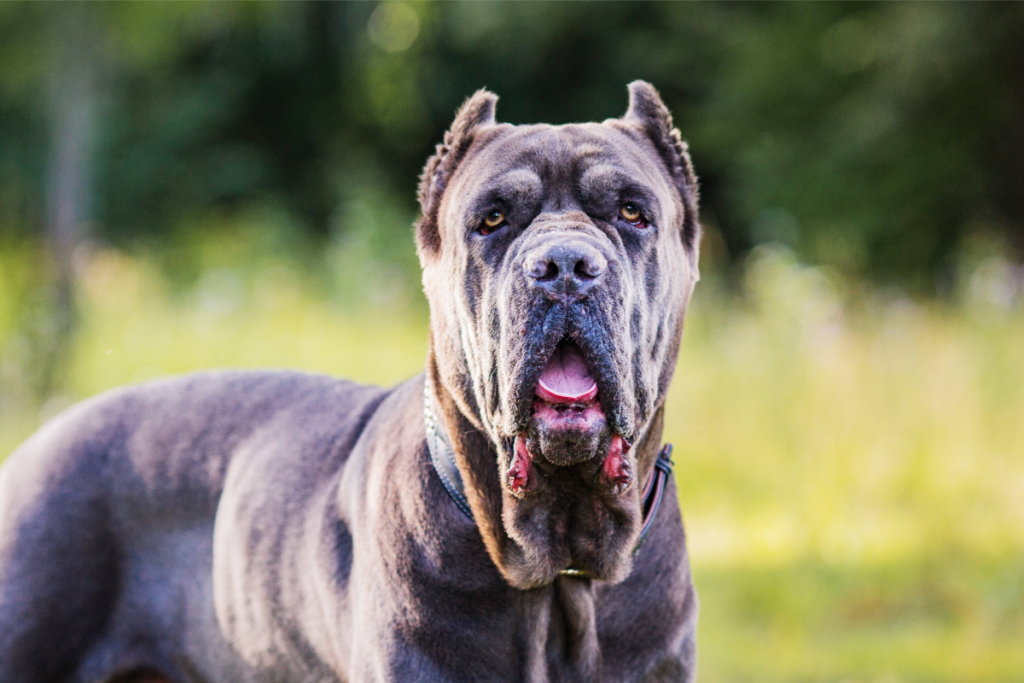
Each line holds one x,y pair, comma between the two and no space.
274,526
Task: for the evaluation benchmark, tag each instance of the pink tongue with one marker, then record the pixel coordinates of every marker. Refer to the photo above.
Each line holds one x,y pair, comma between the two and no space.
566,377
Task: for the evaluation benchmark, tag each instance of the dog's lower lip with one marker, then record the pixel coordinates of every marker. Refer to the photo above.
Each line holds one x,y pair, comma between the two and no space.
568,415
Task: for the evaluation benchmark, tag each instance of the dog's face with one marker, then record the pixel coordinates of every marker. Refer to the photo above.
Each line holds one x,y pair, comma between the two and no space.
558,263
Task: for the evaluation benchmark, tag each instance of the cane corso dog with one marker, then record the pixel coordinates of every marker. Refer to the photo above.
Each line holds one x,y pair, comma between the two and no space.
494,519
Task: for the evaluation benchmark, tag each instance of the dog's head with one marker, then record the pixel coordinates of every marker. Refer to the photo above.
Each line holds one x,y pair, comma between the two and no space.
558,262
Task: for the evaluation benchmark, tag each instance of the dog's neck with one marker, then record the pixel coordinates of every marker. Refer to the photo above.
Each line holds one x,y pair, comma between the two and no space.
442,457
474,464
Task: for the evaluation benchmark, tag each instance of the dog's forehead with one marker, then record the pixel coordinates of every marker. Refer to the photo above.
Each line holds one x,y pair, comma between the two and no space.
560,155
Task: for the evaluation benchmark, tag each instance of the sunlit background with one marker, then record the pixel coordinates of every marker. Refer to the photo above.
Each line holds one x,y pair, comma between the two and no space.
187,186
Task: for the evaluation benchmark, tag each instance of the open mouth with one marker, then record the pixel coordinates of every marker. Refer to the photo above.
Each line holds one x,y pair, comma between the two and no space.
566,394
568,425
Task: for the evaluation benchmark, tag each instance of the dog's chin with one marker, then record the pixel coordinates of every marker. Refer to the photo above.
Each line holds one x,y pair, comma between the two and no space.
565,434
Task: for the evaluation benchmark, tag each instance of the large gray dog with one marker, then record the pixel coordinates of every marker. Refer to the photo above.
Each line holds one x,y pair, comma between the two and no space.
480,522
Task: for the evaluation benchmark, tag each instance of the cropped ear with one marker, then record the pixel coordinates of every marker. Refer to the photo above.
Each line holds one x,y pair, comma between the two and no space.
477,112
648,113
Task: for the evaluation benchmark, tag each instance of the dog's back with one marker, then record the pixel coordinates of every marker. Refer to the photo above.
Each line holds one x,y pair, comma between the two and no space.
107,516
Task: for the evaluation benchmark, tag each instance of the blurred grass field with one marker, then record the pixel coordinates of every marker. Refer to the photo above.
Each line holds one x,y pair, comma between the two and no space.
850,463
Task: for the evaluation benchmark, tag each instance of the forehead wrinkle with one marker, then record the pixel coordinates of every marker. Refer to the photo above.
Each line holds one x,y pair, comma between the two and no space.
606,175
588,149
519,181
516,186
608,179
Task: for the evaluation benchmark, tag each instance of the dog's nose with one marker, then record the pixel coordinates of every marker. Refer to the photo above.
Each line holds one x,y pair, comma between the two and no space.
565,269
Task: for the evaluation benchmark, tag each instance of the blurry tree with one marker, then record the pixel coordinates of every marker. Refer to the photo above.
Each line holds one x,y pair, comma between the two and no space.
75,66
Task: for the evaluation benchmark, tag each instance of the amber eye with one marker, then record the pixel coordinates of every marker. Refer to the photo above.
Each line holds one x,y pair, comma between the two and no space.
492,221
631,212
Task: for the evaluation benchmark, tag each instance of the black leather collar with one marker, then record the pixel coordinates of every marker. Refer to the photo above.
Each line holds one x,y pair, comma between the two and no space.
442,456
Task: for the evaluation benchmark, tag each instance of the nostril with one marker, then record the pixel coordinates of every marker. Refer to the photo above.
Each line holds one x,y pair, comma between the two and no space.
551,273
590,267
584,270
542,270
536,268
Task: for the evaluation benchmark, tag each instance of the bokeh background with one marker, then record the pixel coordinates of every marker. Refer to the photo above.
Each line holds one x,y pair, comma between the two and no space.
186,186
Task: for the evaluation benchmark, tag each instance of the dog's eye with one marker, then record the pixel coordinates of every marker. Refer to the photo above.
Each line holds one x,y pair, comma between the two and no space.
631,212
492,222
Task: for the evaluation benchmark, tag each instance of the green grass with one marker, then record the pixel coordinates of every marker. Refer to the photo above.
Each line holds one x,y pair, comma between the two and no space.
852,474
